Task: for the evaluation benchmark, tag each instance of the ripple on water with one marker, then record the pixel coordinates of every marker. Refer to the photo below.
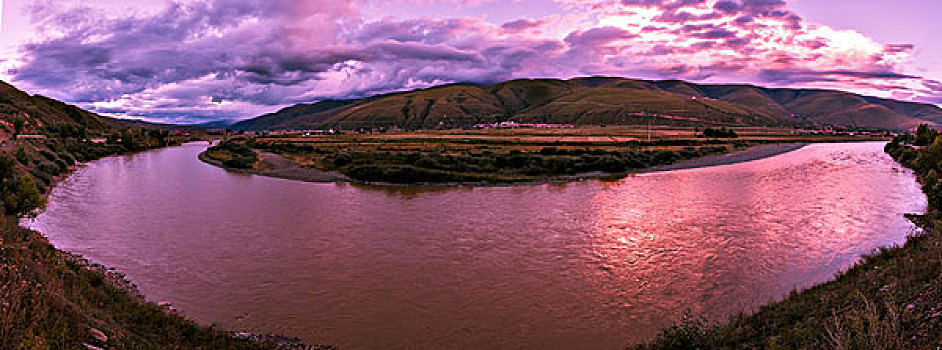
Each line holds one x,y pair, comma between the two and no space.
582,265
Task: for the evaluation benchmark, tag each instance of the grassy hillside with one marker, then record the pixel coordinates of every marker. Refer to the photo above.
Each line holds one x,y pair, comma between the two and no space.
602,101
892,299
39,112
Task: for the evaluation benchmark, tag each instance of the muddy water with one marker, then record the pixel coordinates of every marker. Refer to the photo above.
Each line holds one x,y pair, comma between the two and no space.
588,265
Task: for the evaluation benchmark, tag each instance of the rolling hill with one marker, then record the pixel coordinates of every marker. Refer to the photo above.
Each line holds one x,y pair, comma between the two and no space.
598,101
40,111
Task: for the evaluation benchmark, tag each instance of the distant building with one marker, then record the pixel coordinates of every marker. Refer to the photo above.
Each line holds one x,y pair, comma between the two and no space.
514,125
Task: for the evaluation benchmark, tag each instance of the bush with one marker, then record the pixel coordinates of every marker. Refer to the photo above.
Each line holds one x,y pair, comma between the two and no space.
22,198
67,158
48,155
21,156
48,168
722,133
342,160
62,166
43,177
395,174
234,155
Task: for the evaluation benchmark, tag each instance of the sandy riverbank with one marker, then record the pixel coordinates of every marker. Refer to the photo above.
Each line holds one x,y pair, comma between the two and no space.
746,155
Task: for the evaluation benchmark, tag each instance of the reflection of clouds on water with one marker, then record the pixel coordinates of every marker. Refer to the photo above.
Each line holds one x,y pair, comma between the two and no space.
712,238
587,264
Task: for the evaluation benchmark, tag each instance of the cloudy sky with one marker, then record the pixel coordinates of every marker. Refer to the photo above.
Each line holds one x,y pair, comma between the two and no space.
201,60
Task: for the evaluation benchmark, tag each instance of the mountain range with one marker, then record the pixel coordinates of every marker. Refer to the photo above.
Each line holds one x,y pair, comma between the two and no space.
602,101
580,101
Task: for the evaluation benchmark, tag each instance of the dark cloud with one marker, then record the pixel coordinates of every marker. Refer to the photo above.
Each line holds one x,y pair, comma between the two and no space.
598,36
521,24
805,75
718,33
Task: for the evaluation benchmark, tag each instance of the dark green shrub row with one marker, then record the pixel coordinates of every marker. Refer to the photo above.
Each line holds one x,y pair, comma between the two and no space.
240,155
721,133
407,167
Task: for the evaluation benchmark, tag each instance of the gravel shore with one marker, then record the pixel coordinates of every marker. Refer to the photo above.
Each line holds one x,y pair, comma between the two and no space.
746,155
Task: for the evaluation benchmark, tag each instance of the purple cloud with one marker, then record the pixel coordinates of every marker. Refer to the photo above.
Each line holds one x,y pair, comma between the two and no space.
239,58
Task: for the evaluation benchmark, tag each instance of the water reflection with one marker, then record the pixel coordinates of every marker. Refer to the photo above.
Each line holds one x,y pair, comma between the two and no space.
583,265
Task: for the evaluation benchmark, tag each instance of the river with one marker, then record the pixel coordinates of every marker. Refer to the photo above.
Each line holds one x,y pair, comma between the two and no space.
585,265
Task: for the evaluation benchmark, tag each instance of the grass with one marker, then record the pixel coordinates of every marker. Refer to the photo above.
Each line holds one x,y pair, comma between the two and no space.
891,299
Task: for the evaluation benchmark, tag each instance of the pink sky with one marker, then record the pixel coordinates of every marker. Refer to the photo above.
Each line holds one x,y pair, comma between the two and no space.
190,61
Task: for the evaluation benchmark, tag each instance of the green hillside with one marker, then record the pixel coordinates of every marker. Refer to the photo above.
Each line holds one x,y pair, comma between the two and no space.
602,100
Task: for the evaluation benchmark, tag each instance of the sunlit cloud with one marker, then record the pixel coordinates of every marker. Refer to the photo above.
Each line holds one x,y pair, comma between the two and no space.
228,59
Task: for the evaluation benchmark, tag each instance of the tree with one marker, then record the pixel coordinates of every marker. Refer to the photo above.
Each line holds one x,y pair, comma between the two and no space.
7,165
18,126
924,135
23,199
22,156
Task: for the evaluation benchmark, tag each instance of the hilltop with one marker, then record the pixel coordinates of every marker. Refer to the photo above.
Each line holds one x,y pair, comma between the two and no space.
602,101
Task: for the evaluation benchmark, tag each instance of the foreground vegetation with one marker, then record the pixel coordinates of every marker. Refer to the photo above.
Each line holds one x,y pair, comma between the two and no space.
499,156
891,299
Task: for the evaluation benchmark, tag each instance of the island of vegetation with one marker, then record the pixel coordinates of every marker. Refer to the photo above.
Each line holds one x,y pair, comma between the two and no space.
496,156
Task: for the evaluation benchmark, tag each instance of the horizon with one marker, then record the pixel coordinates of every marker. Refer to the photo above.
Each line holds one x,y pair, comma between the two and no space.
192,62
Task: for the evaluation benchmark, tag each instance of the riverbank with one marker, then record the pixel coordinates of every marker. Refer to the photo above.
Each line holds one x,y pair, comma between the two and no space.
275,165
56,300
891,299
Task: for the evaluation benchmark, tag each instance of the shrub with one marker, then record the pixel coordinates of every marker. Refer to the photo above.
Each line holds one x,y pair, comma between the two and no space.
48,168
48,155
22,198
62,166
21,156
43,177
235,155
67,158
722,133
342,160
